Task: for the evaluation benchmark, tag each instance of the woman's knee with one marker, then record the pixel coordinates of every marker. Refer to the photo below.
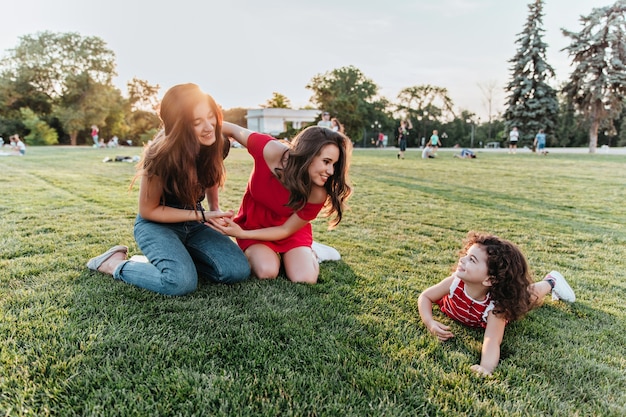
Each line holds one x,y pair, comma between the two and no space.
181,285
265,271
309,277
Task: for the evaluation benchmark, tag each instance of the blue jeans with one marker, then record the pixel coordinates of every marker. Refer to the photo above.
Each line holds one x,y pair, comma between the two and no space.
178,254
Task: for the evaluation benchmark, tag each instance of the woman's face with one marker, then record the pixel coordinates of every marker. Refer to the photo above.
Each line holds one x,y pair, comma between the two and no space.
204,121
323,165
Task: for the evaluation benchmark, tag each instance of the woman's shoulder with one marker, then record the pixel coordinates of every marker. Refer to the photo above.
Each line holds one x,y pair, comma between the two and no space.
274,152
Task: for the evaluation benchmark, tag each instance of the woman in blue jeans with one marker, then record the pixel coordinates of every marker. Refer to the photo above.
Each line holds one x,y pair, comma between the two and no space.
183,165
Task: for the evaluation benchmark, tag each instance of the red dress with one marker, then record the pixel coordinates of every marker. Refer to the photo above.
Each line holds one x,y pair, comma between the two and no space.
265,203
461,307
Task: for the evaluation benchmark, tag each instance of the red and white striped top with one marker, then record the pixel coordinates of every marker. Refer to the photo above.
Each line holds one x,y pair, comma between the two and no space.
461,307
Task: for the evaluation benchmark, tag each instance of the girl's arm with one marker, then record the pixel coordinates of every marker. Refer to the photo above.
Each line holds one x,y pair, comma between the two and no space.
230,228
425,306
150,207
240,134
490,355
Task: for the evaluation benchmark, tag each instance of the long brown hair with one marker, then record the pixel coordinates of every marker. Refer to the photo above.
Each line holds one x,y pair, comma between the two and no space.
508,272
185,166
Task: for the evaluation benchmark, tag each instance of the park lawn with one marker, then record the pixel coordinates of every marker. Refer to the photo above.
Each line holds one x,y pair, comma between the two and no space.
73,342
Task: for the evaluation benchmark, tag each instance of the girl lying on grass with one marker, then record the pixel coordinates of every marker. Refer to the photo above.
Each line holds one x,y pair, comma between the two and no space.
490,287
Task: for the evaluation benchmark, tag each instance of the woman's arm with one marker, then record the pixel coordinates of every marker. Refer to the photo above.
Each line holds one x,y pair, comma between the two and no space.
240,134
212,198
230,228
150,207
490,355
425,306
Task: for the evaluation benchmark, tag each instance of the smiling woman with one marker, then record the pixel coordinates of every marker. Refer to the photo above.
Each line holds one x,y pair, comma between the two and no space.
180,168
289,186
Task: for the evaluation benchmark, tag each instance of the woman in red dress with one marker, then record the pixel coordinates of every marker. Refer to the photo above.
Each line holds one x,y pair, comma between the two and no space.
289,185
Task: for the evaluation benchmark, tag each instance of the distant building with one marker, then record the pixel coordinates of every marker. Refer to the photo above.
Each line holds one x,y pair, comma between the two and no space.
273,121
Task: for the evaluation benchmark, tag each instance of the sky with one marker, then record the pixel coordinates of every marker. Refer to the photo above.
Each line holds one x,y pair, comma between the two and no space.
242,51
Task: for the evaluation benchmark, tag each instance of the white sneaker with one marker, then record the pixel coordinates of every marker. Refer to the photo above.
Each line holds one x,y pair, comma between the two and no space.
325,253
139,258
561,290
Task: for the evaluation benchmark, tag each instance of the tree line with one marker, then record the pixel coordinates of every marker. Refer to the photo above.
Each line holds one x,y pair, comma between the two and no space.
54,86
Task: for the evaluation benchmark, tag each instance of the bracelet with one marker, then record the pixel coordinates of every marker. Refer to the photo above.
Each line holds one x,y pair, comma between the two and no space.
203,218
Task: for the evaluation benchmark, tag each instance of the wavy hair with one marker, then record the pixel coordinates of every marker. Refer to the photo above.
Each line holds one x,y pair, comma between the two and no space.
185,166
295,174
508,272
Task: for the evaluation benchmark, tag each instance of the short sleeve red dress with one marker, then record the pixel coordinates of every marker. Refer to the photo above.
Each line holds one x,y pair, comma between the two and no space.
264,203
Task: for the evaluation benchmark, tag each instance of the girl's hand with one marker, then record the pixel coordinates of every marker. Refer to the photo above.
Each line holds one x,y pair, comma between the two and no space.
441,331
226,226
480,370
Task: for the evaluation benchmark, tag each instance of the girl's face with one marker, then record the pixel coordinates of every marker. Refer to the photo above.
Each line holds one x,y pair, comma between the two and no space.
472,267
204,121
323,165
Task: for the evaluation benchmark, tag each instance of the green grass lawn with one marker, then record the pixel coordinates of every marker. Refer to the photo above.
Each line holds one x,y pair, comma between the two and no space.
73,342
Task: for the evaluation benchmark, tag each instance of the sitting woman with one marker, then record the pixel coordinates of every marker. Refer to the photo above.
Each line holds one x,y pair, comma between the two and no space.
289,185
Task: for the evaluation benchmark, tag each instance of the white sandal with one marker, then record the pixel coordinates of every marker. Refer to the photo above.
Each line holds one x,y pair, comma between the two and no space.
96,262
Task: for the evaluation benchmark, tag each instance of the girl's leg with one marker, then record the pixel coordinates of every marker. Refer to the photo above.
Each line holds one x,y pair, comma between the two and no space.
265,263
301,265
538,291
171,270
217,256
553,283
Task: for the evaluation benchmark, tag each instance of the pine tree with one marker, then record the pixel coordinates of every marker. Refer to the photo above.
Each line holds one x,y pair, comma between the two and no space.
597,86
531,102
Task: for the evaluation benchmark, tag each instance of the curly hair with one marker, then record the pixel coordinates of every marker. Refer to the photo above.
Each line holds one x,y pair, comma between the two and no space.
186,167
508,272
295,174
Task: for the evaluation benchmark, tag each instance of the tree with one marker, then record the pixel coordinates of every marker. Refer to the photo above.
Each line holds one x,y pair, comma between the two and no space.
597,86
278,101
142,95
40,132
488,89
71,74
531,102
141,119
347,94
85,103
423,103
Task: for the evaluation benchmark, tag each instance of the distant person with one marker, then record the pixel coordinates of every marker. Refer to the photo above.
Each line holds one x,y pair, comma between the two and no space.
19,145
491,287
513,138
183,166
95,135
336,125
403,136
380,143
325,122
540,143
434,141
288,187
427,152
114,142
465,153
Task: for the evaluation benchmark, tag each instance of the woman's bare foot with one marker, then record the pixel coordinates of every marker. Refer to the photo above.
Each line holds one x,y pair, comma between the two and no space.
110,264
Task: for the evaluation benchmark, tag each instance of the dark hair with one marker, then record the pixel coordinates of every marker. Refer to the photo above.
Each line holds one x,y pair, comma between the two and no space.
508,272
185,166
295,174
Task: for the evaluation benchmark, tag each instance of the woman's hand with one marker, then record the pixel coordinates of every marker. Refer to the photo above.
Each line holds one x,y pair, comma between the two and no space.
225,225
218,214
